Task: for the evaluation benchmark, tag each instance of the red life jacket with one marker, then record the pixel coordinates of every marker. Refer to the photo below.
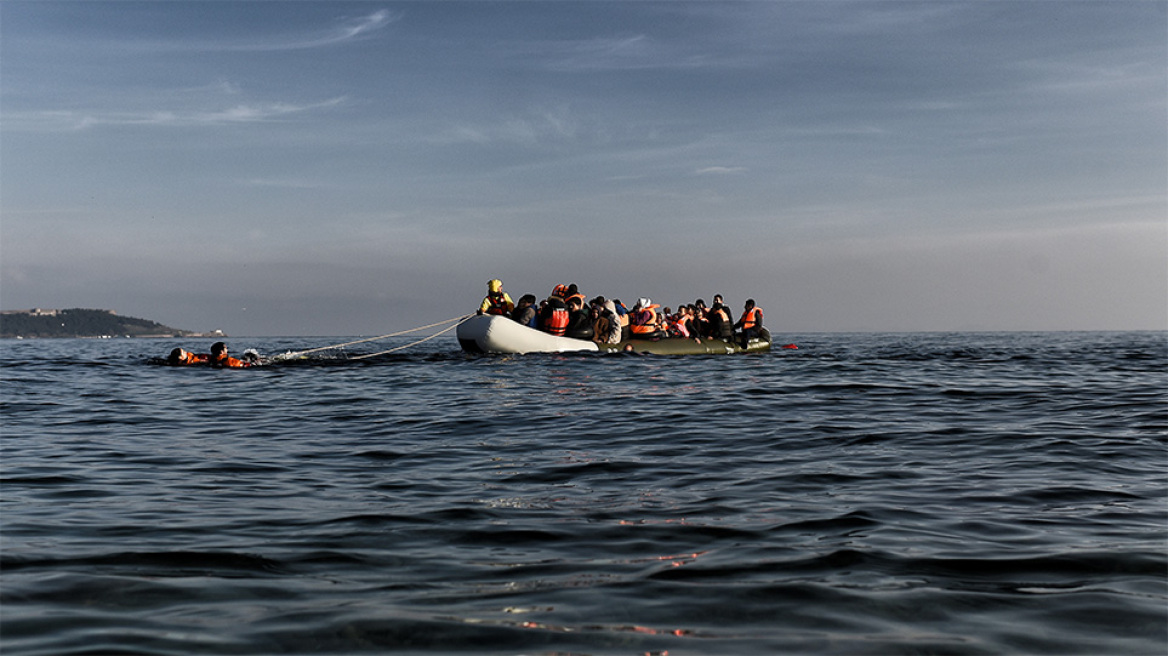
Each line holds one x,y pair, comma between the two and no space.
557,321
498,303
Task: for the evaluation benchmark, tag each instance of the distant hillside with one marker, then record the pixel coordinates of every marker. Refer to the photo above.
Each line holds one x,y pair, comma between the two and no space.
78,322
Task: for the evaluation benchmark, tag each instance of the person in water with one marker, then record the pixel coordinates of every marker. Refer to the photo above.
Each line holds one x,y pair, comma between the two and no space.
220,359
497,301
180,358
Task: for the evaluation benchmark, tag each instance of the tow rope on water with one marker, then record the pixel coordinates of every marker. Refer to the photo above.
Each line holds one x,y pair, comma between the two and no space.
291,355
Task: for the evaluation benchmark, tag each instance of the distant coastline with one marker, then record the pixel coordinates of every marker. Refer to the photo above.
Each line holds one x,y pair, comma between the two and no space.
39,323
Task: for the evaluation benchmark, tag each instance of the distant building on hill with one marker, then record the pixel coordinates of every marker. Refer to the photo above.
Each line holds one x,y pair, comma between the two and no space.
78,322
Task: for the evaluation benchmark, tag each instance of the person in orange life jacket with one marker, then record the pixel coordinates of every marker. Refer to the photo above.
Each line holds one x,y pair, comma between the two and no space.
680,325
220,359
525,312
750,325
720,323
643,323
179,357
553,317
579,320
574,292
497,301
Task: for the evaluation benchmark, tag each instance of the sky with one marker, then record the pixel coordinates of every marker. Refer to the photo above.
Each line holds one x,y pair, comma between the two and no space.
356,168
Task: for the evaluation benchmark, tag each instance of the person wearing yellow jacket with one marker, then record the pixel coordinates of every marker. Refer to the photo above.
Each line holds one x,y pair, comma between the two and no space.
497,301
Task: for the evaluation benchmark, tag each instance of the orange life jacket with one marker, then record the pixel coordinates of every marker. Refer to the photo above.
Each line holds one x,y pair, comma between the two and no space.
557,321
229,362
645,321
751,318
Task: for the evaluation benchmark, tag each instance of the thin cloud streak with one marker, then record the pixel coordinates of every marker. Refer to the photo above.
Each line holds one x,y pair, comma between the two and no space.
349,30
68,120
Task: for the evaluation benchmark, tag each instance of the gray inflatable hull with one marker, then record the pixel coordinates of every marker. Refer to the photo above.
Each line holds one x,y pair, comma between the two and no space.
486,333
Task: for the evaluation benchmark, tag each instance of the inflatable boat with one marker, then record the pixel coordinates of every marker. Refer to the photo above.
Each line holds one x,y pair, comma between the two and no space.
487,333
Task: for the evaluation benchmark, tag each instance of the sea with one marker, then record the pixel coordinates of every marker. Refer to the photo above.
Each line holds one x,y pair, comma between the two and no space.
910,493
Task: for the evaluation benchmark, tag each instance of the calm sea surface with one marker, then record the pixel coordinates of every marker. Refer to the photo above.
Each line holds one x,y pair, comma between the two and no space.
866,494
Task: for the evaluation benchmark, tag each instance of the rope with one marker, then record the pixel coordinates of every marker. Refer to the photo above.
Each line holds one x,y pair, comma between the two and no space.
296,354
398,348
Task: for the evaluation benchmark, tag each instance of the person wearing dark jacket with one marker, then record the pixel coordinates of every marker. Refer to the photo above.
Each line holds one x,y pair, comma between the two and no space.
719,322
750,325
525,312
579,320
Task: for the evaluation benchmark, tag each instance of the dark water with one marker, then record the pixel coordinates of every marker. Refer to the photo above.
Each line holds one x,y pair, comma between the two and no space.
867,494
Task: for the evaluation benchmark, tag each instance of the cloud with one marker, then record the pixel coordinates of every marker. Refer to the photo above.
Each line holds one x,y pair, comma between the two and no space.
56,120
721,170
635,52
538,127
346,30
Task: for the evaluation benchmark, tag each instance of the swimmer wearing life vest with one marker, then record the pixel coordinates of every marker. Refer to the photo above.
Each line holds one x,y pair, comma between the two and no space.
497,301
182,358
220,360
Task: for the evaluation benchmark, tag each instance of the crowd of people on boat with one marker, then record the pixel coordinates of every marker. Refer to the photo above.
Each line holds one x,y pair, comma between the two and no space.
567,313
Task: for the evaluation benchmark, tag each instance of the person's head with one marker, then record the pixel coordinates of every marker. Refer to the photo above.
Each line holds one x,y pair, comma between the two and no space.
218,350
700,303
526,300
718,300
575,304
177,356
573,289
495,286
749,303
